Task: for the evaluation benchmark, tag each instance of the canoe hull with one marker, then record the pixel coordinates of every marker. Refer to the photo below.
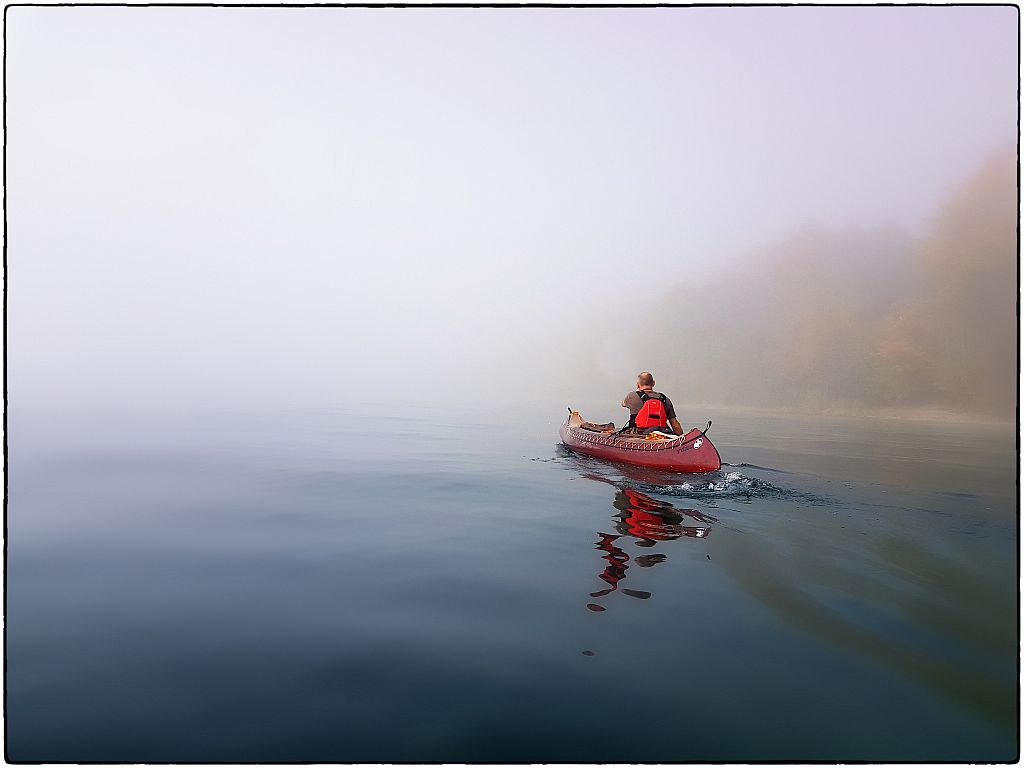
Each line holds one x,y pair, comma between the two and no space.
694,453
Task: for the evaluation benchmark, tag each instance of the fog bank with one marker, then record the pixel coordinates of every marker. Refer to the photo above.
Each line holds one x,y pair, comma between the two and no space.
846,320
279,207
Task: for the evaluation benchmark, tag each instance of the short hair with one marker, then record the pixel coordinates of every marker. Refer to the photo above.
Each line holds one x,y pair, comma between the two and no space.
646,379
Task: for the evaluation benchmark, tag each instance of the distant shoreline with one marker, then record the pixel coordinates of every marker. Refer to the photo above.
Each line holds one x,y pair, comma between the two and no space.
920,414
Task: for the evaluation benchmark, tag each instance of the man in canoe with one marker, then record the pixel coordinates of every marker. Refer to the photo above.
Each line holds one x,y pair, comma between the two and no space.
650,410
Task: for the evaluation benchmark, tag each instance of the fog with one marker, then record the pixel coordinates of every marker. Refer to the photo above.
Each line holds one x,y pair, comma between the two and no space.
799,207
850,320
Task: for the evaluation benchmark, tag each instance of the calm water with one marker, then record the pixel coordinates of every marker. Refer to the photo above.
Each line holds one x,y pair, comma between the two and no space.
314,586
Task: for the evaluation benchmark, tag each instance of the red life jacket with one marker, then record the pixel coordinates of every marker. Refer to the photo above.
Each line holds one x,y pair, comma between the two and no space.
652,412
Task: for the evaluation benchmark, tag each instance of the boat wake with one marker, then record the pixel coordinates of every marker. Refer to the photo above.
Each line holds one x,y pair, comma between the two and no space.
727,483
744,465
736,485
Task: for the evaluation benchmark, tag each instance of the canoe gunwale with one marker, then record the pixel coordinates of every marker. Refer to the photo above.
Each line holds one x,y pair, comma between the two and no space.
585,435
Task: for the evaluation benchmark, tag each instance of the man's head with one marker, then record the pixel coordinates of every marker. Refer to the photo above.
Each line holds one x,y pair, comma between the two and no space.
644,380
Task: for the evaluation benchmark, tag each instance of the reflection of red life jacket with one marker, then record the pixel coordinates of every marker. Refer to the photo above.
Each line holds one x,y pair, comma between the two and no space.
642,521
643,501
652,412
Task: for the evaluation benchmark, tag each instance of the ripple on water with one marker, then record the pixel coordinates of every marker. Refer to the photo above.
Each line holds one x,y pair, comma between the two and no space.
732,485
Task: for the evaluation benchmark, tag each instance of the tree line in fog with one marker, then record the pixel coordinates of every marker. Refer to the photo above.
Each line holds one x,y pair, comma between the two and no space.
866,318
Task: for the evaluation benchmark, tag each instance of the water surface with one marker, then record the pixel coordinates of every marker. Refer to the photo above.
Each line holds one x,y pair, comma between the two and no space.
320,585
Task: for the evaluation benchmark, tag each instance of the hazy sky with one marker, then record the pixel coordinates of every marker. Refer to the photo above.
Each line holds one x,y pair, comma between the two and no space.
276,204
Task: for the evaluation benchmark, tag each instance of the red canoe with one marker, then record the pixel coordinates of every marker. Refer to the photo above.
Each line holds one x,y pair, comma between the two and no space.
693,452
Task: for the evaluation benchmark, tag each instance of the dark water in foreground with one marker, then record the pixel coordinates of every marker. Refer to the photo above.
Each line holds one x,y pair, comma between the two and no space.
308,586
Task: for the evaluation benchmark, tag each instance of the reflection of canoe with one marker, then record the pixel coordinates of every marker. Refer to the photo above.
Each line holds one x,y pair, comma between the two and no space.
693,452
